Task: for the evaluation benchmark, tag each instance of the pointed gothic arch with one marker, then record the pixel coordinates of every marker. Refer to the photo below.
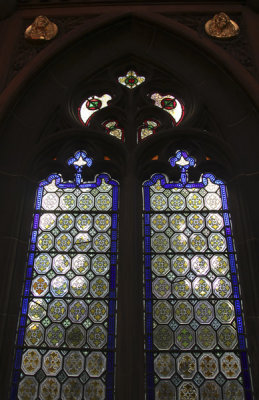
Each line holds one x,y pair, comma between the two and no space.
28,118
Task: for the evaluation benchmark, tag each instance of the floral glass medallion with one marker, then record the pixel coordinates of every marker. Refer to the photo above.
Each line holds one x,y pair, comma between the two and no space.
131,79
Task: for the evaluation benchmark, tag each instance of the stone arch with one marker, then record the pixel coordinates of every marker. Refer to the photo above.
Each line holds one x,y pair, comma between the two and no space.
41,86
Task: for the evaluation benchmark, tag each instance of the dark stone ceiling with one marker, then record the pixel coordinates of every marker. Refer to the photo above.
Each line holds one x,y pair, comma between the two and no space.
27,3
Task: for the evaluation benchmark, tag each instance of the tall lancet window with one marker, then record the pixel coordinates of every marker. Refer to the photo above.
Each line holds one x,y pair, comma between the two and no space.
66,336
194,333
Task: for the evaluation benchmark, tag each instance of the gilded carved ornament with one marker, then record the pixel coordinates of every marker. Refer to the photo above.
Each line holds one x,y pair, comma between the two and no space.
221,27
42,29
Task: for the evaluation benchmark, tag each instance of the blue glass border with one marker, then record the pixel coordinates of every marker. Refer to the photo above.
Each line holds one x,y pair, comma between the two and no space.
236,294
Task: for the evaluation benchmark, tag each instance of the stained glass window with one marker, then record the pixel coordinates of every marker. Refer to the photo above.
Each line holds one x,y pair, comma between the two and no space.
91,105
194,333
171,105
66,335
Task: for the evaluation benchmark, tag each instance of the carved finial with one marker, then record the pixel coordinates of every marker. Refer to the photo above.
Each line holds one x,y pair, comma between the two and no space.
79,160
42,29
221,27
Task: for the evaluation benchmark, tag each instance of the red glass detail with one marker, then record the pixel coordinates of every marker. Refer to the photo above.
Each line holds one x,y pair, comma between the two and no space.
93,104
168,104
131,81
183,113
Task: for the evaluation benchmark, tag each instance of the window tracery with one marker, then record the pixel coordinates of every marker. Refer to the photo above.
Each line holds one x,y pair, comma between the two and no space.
89,107
182,313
